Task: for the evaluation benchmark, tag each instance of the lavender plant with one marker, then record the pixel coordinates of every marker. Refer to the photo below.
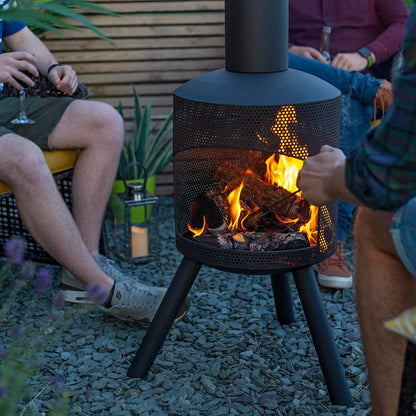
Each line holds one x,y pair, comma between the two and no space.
22,346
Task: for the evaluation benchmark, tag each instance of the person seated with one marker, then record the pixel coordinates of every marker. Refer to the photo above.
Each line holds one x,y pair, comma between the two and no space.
365,37
95,128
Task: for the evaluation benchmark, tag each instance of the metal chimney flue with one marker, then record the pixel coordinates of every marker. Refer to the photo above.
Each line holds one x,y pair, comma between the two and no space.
256,41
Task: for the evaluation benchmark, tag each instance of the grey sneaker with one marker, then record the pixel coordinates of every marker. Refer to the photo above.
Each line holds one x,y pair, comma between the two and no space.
69,281
135,302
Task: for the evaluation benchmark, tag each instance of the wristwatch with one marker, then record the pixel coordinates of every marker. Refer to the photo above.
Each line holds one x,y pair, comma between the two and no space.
364,52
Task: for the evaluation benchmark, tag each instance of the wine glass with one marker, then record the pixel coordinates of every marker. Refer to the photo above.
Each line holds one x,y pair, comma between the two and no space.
23,118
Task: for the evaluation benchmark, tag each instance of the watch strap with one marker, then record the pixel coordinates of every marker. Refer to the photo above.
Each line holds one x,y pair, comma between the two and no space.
364,52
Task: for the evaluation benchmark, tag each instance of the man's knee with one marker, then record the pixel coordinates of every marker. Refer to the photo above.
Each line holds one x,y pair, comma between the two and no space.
22,161
95,119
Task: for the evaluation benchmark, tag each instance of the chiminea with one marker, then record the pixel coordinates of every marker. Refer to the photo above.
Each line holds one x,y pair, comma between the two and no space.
235,131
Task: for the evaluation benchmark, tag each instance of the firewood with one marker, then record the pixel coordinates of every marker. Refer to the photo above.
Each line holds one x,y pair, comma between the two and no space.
257,193
213,207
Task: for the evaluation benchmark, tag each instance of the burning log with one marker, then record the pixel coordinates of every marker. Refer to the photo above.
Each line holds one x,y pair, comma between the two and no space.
212,208
257,193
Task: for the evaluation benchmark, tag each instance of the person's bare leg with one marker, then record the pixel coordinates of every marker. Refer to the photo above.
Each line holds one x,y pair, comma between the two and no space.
98,132
384,289
43,210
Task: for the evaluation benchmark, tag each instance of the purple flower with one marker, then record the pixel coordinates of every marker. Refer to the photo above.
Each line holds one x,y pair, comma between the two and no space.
14,250
96,293
44,281
58,300
27,270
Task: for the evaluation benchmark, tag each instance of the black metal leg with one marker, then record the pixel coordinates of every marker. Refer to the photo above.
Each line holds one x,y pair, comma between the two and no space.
283,298
175,296
326,350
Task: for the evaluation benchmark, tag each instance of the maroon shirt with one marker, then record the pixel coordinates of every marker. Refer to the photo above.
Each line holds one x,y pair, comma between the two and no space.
378,25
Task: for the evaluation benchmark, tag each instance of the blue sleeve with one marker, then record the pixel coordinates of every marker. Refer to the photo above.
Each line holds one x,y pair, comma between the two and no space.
12,27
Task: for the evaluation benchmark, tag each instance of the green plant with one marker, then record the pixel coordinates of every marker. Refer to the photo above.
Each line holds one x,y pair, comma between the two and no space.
152,149
23,340
55,15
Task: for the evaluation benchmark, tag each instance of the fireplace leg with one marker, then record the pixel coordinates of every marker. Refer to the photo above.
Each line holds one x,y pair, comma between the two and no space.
283,298
176,294
326,349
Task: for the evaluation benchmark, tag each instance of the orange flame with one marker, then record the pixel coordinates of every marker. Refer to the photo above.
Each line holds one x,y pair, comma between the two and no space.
236,210
311,227
197,231
283,173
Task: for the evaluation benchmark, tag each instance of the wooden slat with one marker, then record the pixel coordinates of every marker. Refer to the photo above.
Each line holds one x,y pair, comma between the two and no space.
141,54
137,43
201,65
115,32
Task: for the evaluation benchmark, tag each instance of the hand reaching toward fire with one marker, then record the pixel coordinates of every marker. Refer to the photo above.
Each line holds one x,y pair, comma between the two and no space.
322,178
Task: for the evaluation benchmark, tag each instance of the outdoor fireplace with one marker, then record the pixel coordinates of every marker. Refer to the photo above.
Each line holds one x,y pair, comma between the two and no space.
240,137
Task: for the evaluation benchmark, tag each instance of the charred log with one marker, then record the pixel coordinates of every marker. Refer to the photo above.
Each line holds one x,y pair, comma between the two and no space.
262,241
213,207
258,193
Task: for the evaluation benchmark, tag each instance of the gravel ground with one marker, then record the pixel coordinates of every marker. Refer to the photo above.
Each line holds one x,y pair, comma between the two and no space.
229,356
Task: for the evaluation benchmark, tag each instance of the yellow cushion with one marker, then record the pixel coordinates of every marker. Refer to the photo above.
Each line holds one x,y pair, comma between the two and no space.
57,160
404,324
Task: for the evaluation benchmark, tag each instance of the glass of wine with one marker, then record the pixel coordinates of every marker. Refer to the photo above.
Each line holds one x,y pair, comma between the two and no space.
23,118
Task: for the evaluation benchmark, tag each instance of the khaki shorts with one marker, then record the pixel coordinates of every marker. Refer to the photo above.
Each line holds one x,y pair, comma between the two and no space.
45,111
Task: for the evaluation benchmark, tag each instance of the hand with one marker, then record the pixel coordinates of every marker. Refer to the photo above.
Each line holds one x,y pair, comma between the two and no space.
11,66
322,177
64,78
307,52
350,61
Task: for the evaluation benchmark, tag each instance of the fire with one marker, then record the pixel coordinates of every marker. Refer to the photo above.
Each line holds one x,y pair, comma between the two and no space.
233,200
284,172
311,227
281,171
198,231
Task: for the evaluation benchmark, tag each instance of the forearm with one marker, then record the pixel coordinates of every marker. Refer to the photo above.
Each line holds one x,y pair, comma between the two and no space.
26,41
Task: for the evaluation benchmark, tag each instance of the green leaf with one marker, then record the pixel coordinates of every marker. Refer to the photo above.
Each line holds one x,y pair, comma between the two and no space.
54,15
150,146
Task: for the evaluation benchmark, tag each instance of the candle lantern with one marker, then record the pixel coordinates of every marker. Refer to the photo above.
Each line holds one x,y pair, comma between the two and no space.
136,224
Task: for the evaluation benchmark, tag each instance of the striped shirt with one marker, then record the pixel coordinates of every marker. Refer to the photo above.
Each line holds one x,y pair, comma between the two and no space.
382,171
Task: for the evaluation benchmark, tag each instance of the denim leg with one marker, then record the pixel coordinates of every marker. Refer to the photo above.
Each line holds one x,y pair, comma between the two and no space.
362,88
355,121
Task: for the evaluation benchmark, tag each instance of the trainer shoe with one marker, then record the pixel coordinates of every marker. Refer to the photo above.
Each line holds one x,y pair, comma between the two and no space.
136,302
74,291
69,281
334,271
384,97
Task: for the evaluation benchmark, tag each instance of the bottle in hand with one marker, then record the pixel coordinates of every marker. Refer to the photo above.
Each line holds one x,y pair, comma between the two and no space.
326,34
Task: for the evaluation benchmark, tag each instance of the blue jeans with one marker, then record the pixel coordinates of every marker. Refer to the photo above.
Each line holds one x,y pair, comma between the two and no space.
403,231
358,93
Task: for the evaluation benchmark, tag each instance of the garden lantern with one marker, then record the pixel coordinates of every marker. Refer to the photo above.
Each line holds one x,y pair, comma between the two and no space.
135,222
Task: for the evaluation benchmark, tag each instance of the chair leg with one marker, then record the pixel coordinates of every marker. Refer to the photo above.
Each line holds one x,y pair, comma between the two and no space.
326,350
283,298
175,296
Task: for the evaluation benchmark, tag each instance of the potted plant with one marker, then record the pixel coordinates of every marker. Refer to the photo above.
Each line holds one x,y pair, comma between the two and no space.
149,148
